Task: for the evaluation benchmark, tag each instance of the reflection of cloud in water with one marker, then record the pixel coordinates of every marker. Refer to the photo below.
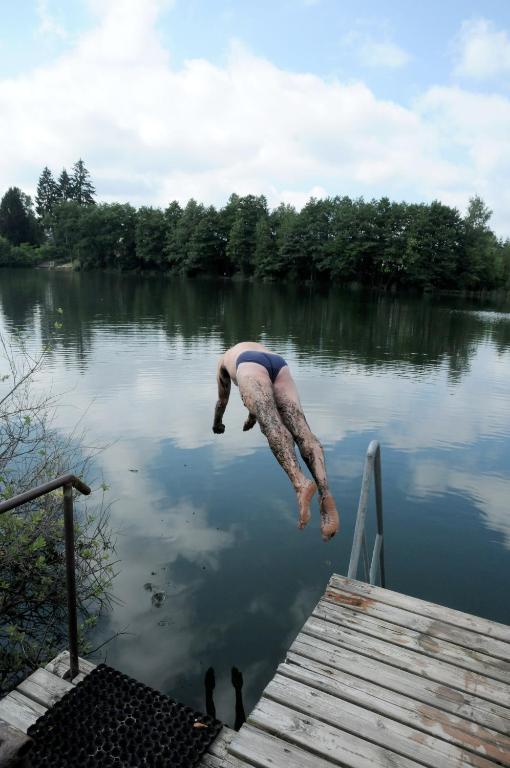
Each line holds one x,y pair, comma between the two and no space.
489,493
299,610
165,643
154,536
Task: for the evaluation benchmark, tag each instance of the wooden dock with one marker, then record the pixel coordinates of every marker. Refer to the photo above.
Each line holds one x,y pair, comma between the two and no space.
374,679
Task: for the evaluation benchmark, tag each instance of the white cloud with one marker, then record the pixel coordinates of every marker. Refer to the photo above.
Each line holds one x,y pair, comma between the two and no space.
482,50
488,492
150,132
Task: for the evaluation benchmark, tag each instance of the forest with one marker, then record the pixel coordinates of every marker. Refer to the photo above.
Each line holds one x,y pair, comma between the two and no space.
376,243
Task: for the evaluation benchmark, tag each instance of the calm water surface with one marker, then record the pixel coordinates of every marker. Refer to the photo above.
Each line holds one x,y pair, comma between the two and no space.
209,520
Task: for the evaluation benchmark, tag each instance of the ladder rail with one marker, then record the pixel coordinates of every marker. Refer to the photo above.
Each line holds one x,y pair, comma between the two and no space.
372,468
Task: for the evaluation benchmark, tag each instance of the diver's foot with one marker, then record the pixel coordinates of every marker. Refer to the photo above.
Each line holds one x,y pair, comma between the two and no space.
237,679
305,494
329,517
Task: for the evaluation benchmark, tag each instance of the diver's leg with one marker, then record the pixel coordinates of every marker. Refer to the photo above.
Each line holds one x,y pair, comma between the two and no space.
257,395
291,412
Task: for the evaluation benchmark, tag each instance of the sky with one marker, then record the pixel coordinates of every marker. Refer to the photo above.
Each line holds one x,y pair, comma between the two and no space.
172,99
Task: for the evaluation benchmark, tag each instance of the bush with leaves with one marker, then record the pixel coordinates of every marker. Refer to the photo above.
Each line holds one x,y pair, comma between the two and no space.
33,607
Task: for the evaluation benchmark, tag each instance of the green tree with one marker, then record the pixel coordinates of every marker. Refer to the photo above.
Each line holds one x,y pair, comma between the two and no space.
341,253
479,266
82,189
65,187
265,248
436,235
66,231
47,194
17,220
289,241
150,234
241,243
107,236
173,214
390,260
206,251
180,242
316,225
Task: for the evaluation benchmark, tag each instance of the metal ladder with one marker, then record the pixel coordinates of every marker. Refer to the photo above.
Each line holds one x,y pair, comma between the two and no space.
359,542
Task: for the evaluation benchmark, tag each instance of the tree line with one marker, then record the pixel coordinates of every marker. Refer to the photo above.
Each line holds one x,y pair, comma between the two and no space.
376,243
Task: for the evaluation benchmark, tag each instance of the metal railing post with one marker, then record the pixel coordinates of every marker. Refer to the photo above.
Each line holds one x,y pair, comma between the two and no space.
379,512
359,529
72,618
372,466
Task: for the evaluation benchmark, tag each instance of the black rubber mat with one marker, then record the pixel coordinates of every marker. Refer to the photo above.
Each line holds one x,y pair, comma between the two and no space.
109,719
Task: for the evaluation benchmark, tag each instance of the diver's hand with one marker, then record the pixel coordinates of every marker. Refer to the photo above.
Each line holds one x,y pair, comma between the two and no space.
218,429
249,423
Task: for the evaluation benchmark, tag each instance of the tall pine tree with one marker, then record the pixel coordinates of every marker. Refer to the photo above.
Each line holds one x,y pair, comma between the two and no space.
65,187
82,188
47,194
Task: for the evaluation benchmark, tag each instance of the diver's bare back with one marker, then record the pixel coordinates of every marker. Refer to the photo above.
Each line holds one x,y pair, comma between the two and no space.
229,359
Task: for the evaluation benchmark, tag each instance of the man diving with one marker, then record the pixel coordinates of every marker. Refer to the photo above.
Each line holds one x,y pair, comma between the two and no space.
269,393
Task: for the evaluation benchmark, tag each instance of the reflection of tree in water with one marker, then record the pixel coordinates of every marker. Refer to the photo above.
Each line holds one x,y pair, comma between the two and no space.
501,335
373,331
237,683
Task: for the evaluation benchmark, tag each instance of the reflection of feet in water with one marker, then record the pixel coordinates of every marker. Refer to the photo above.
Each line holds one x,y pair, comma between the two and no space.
304,496
237,682
329,517
237,679
210,684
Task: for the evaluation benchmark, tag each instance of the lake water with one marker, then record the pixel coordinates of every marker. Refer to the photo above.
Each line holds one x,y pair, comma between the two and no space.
209,520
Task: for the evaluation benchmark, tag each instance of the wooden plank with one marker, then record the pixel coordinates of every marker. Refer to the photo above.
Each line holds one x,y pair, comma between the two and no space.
478,710
211,761
38,709
222,741
424,666
424,608
217,755
428,719
328,742
416,641
265,751
227,761
376,728
14,744
19,711
44,687
405,618
60,666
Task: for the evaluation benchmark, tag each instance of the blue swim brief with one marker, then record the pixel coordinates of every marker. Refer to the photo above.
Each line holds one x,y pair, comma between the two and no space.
272,363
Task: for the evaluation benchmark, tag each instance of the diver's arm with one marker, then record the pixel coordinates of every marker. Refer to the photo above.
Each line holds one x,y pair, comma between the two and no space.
224,383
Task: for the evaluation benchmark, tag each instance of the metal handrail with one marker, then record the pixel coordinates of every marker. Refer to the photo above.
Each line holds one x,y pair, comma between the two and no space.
372,466
67,482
